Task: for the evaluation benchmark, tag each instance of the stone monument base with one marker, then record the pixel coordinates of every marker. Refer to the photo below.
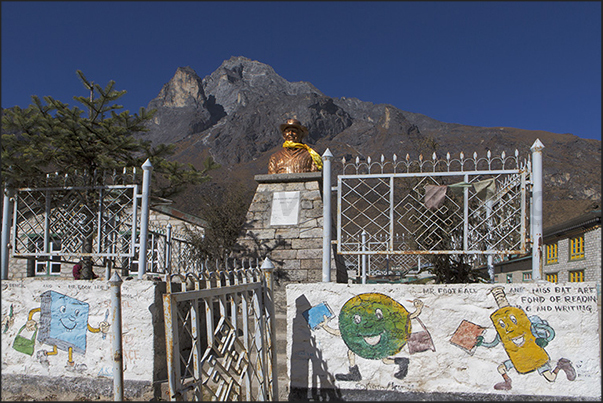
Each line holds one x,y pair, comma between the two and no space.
285,224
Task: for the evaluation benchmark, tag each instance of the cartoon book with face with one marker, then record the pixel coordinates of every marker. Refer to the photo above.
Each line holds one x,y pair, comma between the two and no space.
315,315
63,321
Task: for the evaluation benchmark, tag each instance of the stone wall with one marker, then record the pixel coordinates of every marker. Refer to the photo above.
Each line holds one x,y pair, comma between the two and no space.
372,342
67,315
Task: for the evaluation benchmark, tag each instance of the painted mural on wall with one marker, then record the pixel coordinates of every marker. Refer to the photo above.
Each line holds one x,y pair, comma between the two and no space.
375,327
465,338
63,324
523,338
62,328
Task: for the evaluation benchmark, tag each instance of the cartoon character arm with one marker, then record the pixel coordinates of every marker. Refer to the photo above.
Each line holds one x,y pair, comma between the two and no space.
32,324
323,324
419,307
8,319
102,327
543,332
493,343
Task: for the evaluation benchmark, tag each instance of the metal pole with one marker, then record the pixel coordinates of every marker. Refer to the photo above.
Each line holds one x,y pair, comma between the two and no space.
108,268
363,257
168,249
6,222
326,216
537,242
144,218
490,257
268,270
466,215
118,374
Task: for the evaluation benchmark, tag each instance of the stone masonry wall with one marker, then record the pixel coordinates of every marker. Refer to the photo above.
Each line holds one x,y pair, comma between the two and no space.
591,263
295,250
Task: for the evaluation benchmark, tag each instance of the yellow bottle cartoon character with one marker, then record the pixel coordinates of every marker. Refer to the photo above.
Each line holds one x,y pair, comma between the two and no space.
523,339
514,329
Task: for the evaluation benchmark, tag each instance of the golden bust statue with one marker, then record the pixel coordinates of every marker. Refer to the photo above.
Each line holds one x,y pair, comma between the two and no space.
295,156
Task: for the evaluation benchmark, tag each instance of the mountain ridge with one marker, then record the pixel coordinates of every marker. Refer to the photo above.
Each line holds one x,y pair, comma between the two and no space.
233,115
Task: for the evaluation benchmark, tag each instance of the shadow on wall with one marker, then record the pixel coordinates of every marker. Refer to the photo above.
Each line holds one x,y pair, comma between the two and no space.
321,384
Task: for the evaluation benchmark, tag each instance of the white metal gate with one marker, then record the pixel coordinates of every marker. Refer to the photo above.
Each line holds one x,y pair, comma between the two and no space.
220,335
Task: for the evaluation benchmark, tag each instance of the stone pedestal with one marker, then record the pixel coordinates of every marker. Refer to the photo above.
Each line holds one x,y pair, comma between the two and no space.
291,236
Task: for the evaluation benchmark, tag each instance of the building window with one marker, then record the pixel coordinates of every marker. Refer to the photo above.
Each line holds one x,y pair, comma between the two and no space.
527,276
552,278
48,266
551,253
577,248
496,278
576,276
509,278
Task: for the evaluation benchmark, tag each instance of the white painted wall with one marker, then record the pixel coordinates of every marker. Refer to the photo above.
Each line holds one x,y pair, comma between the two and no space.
94,295
316,356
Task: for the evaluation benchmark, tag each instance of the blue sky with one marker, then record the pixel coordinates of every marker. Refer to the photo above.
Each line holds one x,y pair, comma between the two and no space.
528,65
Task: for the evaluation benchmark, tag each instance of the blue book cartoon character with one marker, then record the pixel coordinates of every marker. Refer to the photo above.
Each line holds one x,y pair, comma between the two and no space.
315,315
63,325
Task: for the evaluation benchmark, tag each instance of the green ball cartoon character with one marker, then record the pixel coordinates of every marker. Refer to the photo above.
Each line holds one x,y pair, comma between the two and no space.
376,327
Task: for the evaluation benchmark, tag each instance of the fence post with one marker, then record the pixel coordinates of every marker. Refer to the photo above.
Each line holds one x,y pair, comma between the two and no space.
168,249
118,375
144,218
268,271
363,257
489,246
326,215
536,213
6,222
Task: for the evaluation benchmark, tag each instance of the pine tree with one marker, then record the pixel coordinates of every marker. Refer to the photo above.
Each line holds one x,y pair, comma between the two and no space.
52,136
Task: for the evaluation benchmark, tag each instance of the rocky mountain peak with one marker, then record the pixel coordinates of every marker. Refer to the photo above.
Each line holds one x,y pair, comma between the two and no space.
233,115
185,89
240,80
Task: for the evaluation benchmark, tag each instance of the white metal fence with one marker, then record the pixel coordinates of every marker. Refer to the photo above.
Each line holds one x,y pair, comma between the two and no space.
487,206
55,222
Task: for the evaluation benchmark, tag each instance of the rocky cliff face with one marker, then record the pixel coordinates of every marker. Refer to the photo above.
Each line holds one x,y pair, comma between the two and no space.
233,115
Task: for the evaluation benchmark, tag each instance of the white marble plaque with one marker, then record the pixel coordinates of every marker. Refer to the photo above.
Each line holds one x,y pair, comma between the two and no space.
285,208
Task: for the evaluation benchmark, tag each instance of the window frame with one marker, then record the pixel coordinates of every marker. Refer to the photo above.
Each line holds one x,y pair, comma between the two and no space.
576,276
576,248
555,275
48,266
552,253
526,276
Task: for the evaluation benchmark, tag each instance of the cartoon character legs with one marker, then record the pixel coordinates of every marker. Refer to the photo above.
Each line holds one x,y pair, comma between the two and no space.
567,367
354,374
563,364
70,360
506,384
401,362
402,366
42,356
45,353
